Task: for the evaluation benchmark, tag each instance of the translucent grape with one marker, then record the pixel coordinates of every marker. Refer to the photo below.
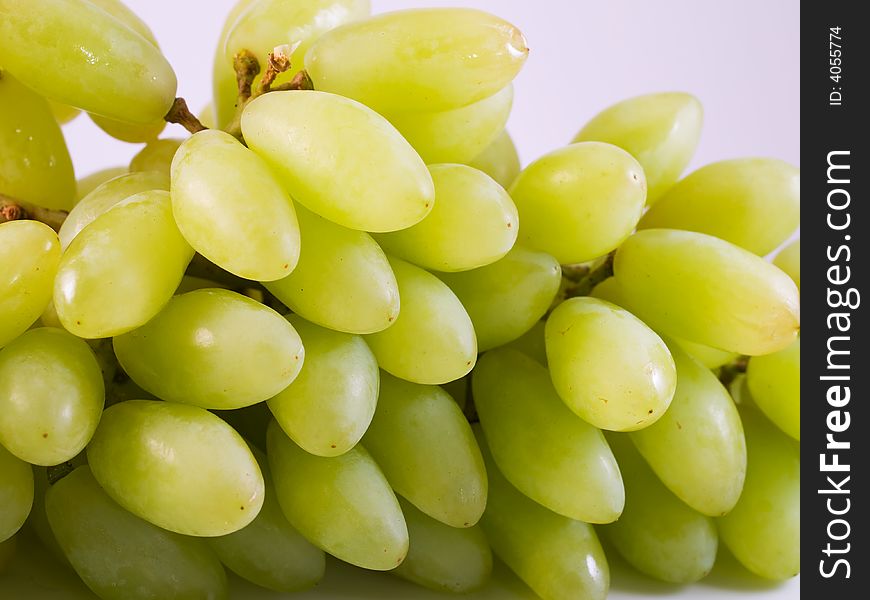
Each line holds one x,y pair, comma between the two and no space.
499,160
330,404
89,183
94,61
176,466
231,209
156,156
392,61
660,130
63,113
51,396
775,383
754,203
432,340
506,298
16,493
213,348
308,137
422,442
134,133
579,202
342,281
342,504
121,269
709,291
543,449
789,260
29,257
120,11
532,343
473,223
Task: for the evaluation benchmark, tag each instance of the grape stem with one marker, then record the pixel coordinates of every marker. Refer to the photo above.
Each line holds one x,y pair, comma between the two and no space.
181,115
586,282
16,210
728,373
57,472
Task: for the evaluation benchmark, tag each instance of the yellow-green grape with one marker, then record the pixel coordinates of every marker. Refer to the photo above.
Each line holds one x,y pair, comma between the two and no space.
506,298
176,466
559,558
660,130
63,113
38,520
697,448
444,558
51,396
754,203
89,183
329,406
156,156
207,116
422,442
775,383
121,12
16,493
342,281
474,223
532,343
121,557
231,208
549,454
134,133
309,137
213,348
35,165
458,135
789,260
763,529
499,160
419,60
92,60
341,504
121,269
700,288
269,551
579,202
29,257
262,25
105,196
656,533
458,390
432,340
608,366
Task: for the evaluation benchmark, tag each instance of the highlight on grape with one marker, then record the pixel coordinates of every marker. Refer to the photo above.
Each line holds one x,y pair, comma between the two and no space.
339,318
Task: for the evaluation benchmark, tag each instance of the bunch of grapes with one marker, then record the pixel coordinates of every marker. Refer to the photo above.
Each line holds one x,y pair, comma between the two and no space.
340,319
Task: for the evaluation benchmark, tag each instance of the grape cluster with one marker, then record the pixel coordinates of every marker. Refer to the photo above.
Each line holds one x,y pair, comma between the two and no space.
342,320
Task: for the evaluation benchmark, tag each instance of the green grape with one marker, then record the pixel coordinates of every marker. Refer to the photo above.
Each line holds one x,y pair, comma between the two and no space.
16,493
105,196
89,183
309,137
473,223
341,504
754,203
432,340
608,367
789,260
121,557
660,130
29,256
176,466
763,529
700,288
422,442
121,12
458,135
559,558
191,284
35,165
444,558
579,202
260,25
532,343
330,404
499,160
38,519
156,156
549,454
63,113
458,390
121,269
775,383
697,447
231,209
51,396
134,133
212,348
207,116
658,534
420,60
269,551
342,281
94,61
506,298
